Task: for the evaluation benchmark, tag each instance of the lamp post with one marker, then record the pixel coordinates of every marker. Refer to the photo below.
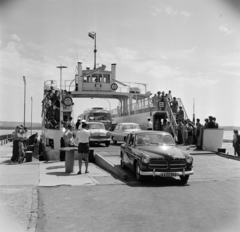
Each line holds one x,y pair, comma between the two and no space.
31,113
61,115
24,80
108,103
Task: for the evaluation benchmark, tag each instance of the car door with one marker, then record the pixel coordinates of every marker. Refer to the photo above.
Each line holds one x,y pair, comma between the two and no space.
129,151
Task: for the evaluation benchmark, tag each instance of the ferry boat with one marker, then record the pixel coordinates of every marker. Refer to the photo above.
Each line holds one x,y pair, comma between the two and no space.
135,103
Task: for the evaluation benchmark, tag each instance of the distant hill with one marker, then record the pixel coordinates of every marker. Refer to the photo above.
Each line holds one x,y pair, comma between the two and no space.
230,128
12,125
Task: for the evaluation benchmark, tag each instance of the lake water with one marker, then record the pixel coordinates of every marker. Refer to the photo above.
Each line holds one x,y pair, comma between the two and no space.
226,135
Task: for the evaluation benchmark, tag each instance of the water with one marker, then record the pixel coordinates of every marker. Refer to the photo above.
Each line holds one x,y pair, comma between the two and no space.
10,131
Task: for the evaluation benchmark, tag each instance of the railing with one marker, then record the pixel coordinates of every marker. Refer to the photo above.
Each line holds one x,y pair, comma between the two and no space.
171,117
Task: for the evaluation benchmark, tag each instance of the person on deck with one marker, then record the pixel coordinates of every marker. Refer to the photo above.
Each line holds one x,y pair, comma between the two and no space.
211,123
174,105
185,132
169,96
149,124
206,123
78,123
83,136
180,113
69,136
236,142
214,121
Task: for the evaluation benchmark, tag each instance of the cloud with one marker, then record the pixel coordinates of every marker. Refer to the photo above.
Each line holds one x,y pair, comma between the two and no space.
185,14
155,69
169,10
15,37
224,28
126,54
190,50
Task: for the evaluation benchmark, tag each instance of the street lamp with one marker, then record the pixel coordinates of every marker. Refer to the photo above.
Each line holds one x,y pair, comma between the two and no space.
31,114
108,103
61,116
24,80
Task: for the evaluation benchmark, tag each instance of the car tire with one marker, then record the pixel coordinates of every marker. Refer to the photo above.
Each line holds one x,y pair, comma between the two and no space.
107,144
184,179
114,141
139,177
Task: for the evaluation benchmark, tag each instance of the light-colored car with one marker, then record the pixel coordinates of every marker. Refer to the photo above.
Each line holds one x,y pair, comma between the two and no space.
121,131
98,133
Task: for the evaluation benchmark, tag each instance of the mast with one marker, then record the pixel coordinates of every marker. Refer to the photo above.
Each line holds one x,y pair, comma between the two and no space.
193,112
95,50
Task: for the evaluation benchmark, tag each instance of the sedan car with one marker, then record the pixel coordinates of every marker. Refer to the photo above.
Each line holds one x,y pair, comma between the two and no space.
98,133
121,131
154,153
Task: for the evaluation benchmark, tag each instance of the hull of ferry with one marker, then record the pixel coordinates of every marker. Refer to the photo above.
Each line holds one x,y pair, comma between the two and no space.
52,143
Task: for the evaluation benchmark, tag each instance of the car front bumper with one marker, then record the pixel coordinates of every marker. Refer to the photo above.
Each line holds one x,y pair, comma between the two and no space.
166,174
100,140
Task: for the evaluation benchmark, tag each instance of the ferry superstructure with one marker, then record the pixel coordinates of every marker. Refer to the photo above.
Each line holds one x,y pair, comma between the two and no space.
135,102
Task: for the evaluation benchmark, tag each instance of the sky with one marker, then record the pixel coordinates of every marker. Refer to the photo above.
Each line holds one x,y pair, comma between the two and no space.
191,47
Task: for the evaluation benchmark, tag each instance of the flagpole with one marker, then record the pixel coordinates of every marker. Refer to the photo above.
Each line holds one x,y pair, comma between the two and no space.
193,112
95,50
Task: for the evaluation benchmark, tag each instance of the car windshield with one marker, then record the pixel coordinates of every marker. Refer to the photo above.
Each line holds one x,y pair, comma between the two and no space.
100,116
130,126
96,126
159,139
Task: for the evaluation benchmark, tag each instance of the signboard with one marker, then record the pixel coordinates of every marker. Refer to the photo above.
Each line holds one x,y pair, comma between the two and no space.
160,104
114,86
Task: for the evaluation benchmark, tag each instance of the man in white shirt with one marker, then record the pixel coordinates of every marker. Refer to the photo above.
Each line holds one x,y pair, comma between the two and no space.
83,136
149,124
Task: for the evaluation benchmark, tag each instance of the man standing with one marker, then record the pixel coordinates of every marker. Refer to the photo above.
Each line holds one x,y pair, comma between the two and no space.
236,142
83,136
149,124
181,114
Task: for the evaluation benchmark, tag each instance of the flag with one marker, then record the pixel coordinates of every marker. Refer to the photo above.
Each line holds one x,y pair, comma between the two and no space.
91,34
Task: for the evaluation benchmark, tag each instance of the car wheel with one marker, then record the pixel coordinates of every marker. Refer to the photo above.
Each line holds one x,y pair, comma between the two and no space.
114,141
107,144
184,179
139,177
123,165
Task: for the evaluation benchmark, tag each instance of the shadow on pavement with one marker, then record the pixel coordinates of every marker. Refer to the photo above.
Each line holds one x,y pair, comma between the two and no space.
61,174
157,182
56,167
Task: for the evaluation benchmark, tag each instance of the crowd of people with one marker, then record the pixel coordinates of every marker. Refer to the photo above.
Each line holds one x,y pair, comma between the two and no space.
51,108
20,139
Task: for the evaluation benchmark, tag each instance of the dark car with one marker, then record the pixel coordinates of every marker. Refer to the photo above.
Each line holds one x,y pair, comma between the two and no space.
154,153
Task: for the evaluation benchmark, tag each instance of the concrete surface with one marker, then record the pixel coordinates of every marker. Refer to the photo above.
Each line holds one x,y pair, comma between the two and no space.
19,182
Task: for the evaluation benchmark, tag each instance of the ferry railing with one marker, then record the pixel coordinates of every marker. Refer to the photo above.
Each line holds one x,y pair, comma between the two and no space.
171,117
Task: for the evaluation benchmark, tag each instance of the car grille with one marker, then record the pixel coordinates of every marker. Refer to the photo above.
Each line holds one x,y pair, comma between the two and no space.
167,164
99,137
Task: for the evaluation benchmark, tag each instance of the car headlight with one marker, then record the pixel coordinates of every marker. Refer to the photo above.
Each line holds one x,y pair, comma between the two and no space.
189,159
146,159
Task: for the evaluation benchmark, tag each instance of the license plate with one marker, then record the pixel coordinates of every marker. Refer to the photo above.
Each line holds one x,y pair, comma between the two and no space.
165,174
